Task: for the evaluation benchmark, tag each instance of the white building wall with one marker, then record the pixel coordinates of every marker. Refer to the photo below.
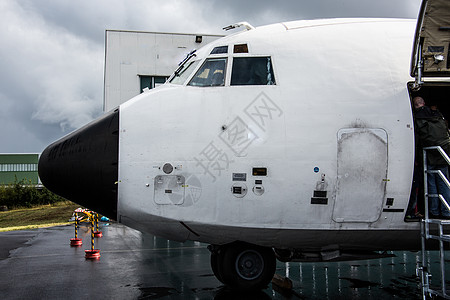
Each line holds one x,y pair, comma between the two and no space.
131,54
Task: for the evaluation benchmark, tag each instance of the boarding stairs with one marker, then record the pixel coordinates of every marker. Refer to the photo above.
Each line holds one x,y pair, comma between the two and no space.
433,229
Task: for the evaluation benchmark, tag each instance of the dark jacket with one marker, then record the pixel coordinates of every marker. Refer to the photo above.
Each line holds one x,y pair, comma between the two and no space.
431,129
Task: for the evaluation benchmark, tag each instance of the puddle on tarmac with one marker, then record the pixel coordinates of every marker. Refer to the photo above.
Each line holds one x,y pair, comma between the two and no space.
156,292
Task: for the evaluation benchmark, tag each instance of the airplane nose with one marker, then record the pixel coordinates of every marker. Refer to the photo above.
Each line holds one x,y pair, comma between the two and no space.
83,166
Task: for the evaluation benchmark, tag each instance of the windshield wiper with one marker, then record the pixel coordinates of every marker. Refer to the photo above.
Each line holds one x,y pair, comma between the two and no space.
184,61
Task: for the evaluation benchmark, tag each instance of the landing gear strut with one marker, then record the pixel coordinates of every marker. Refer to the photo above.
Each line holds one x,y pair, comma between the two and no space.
243,266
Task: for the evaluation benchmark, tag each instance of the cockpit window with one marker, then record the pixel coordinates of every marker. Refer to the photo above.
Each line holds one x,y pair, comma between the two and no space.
220,50
212,73
241,48
182,73
252,71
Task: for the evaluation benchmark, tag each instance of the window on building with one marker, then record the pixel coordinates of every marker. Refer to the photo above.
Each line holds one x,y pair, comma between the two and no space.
18,167
212,73
151,81
252,71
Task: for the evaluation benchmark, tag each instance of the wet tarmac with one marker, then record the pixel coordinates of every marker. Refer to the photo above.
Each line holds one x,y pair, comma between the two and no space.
40,264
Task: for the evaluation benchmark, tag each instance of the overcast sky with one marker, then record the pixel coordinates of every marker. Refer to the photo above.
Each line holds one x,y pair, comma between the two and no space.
52,51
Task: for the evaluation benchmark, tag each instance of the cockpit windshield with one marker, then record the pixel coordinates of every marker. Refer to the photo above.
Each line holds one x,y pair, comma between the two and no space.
212,73
252,71
180,76
245,70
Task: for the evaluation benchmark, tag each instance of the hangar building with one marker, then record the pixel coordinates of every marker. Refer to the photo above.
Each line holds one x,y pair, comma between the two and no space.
135,60
19,167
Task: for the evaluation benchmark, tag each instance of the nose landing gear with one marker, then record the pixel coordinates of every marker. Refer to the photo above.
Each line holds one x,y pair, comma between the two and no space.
243,266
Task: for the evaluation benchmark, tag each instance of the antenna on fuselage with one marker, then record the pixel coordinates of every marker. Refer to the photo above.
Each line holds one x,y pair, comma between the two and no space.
239,24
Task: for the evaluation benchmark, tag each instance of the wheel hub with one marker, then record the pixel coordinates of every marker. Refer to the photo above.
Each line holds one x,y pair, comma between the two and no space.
249,265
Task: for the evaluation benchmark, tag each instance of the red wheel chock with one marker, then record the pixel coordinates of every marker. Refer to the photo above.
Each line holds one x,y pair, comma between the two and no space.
76,242
92,254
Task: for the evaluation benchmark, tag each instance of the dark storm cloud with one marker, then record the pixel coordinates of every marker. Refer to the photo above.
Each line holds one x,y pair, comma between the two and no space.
266,11
86,19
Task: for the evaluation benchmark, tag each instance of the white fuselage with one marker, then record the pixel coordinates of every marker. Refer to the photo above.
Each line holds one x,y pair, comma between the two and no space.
338,121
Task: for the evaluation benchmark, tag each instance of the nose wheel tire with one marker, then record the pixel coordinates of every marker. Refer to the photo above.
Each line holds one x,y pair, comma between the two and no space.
244,266
215,260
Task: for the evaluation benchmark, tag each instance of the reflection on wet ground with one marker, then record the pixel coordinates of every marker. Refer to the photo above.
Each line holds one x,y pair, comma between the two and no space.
387,278
140,266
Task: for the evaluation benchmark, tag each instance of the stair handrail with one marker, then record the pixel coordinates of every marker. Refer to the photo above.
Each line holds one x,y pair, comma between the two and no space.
425,231
441,175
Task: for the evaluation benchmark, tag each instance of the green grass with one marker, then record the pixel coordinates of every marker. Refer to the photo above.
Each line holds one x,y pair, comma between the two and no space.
36,217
